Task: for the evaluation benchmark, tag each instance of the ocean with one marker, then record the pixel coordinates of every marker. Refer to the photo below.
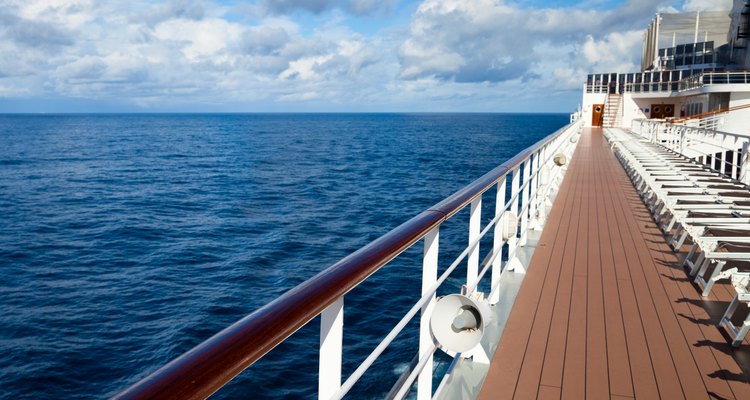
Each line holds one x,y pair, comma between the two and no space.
125,240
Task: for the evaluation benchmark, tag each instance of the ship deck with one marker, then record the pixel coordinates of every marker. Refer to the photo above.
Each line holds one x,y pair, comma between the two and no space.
605,310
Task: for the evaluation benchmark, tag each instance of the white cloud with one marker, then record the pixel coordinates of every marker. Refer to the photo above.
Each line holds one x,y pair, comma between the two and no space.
451,55
707,5
489,40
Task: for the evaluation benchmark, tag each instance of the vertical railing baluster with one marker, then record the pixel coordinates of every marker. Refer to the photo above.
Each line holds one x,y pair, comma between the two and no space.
497,239
515,184
745,164
472,266
736,158
533,182
429,277
723,156
331,342
525,201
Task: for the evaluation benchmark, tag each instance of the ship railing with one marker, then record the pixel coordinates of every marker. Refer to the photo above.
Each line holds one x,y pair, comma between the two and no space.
532,176
651,87
714,78
724,152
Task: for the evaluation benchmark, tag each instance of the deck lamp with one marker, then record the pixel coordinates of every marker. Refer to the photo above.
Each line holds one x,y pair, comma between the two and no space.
458,323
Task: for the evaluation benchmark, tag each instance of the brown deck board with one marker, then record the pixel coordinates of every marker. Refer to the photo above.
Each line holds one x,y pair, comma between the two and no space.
605,310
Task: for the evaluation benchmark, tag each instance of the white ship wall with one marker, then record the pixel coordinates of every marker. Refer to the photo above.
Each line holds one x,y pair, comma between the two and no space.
738,121
632,109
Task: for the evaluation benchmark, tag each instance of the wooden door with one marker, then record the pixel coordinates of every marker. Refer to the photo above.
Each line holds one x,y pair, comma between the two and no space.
661,111
597,118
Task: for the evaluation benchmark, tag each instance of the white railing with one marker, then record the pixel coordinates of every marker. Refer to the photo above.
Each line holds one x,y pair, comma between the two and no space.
531,181
533,175
714,78
724,152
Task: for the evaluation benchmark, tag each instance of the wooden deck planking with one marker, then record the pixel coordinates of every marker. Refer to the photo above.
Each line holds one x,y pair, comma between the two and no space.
597,376
520,332
605,310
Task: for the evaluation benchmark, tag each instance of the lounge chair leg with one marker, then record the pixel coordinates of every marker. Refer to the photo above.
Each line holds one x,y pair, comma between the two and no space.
742,332
677,231
715,276
698,263
689,255
670,225
680,242
737,335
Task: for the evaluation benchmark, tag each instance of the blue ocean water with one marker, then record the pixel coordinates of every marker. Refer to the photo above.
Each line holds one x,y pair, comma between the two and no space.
125,240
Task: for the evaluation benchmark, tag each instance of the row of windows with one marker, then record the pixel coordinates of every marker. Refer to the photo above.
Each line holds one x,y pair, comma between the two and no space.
641,77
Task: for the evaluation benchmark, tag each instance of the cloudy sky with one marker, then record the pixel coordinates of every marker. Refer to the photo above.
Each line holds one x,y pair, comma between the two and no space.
315,55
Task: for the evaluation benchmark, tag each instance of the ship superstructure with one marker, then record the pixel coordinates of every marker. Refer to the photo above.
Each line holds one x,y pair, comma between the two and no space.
616,263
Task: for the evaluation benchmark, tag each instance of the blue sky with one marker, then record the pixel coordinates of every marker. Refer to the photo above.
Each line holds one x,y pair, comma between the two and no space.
315,55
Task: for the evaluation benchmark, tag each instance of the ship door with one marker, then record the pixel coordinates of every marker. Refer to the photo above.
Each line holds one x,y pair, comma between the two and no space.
597,119
661,111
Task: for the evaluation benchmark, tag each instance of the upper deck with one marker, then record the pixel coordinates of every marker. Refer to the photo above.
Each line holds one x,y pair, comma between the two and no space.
606,310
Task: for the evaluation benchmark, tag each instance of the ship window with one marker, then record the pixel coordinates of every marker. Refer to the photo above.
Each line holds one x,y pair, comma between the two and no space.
667,109
598,109
656,109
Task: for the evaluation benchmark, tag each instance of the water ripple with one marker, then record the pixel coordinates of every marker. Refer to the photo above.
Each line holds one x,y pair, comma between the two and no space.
127,239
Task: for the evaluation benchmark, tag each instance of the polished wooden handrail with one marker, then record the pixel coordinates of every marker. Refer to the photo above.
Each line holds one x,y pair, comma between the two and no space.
210,365
707,114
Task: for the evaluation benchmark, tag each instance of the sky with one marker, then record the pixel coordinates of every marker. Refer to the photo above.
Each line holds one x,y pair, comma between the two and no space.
316,55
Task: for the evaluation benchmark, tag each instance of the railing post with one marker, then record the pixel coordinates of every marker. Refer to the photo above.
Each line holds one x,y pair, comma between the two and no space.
513,263
429,277
723,155
534,192
497,240
472,266
745,165
331,342
525,200
736,158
